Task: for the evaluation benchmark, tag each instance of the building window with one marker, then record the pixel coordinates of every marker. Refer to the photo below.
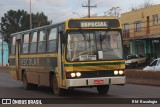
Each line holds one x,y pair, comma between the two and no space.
52,40
138,26
155,19
13,45
126,27
126,30
33,42
25,43
42,41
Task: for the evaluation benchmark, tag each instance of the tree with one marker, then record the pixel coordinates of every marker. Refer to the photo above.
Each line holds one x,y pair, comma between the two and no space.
15,21
39,19
114,11
147,3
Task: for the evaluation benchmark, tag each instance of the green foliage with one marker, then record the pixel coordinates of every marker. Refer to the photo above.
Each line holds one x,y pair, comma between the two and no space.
13,21
147,3
39,19
16,21
114,12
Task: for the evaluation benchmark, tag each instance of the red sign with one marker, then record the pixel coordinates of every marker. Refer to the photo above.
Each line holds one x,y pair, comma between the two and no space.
98,81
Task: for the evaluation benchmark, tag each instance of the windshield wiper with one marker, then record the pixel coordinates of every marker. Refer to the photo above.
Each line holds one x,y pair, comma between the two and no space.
84,35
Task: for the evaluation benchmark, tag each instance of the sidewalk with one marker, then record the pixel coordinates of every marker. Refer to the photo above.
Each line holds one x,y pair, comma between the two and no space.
4,68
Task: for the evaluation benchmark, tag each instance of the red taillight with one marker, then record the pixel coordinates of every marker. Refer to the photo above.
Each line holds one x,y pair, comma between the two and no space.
68,75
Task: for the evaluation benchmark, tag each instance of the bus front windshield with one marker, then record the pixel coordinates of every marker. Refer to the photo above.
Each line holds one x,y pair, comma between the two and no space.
94,45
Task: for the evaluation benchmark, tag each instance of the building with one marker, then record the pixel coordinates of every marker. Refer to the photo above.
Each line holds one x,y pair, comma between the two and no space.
5,53
141,31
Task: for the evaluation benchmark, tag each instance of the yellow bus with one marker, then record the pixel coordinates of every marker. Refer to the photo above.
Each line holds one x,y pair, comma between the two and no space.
84,52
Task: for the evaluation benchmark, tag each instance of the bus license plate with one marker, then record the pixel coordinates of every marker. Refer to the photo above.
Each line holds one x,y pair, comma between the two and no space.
98,81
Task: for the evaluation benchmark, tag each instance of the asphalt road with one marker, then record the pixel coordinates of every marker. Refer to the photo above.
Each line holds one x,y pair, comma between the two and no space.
10,88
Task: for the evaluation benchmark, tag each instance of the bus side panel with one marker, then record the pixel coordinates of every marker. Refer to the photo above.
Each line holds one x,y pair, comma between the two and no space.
32,77
28,64
42,71
43,78
46,64
13,75
12,67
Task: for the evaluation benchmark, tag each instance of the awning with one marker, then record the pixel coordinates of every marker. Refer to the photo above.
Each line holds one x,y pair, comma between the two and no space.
142,37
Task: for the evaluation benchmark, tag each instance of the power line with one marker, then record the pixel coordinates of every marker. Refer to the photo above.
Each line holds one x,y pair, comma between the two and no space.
89,7
58,17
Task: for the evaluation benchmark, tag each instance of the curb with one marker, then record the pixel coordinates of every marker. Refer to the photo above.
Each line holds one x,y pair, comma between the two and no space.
143,77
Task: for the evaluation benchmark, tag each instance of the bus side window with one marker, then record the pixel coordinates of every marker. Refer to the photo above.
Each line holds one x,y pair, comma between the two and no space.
42,41
25,43
52,40
33,42
13,45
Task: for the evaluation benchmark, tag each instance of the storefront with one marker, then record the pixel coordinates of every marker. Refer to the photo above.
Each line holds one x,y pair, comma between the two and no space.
149,47
156,48
134,47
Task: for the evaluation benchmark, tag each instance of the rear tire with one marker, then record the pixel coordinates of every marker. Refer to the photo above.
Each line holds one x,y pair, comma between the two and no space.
26,85
103,90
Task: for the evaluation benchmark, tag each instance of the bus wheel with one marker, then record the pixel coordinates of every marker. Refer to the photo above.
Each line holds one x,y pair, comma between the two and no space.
103,90
57,91
26,85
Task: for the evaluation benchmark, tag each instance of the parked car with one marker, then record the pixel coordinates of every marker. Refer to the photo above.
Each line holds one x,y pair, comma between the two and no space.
134,61
153,66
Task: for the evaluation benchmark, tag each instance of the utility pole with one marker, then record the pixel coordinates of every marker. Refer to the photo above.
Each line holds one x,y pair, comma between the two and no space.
2,50
89,7
30,16
2,42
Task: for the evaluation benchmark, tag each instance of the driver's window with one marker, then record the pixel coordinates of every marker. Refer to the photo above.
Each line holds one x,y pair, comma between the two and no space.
105,39
154,63
113,39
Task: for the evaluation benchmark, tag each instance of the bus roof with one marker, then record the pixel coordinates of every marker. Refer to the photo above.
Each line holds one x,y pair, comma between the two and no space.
66,26
38,28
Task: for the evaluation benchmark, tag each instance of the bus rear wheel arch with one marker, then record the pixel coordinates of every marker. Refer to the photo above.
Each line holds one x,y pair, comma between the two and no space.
26,85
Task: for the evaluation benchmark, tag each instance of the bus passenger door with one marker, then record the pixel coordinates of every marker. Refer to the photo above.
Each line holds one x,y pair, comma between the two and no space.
17,58
60,61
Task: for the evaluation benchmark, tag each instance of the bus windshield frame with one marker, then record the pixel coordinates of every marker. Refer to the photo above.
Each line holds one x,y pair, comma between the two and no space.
94,45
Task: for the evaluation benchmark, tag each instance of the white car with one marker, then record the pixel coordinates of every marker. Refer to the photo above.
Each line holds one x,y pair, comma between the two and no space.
154,66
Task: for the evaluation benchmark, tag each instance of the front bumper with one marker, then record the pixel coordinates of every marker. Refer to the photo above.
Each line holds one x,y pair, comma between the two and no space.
86,82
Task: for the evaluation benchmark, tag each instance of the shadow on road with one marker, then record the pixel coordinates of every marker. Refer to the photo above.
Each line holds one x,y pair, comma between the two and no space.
75,93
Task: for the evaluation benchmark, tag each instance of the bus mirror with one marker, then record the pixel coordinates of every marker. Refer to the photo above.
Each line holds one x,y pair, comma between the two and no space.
63,37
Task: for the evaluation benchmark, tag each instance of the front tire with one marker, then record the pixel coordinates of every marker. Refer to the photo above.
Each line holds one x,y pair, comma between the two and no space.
103,90
57,91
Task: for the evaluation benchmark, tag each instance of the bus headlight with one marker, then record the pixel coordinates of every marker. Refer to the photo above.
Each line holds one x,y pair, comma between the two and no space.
120,72
73,75
115,72
78,74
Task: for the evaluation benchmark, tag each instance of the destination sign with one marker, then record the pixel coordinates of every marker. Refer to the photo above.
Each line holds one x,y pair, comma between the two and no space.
93,24
104,23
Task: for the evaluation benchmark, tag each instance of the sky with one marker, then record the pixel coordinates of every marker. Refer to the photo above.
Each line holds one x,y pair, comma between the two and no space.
60,10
